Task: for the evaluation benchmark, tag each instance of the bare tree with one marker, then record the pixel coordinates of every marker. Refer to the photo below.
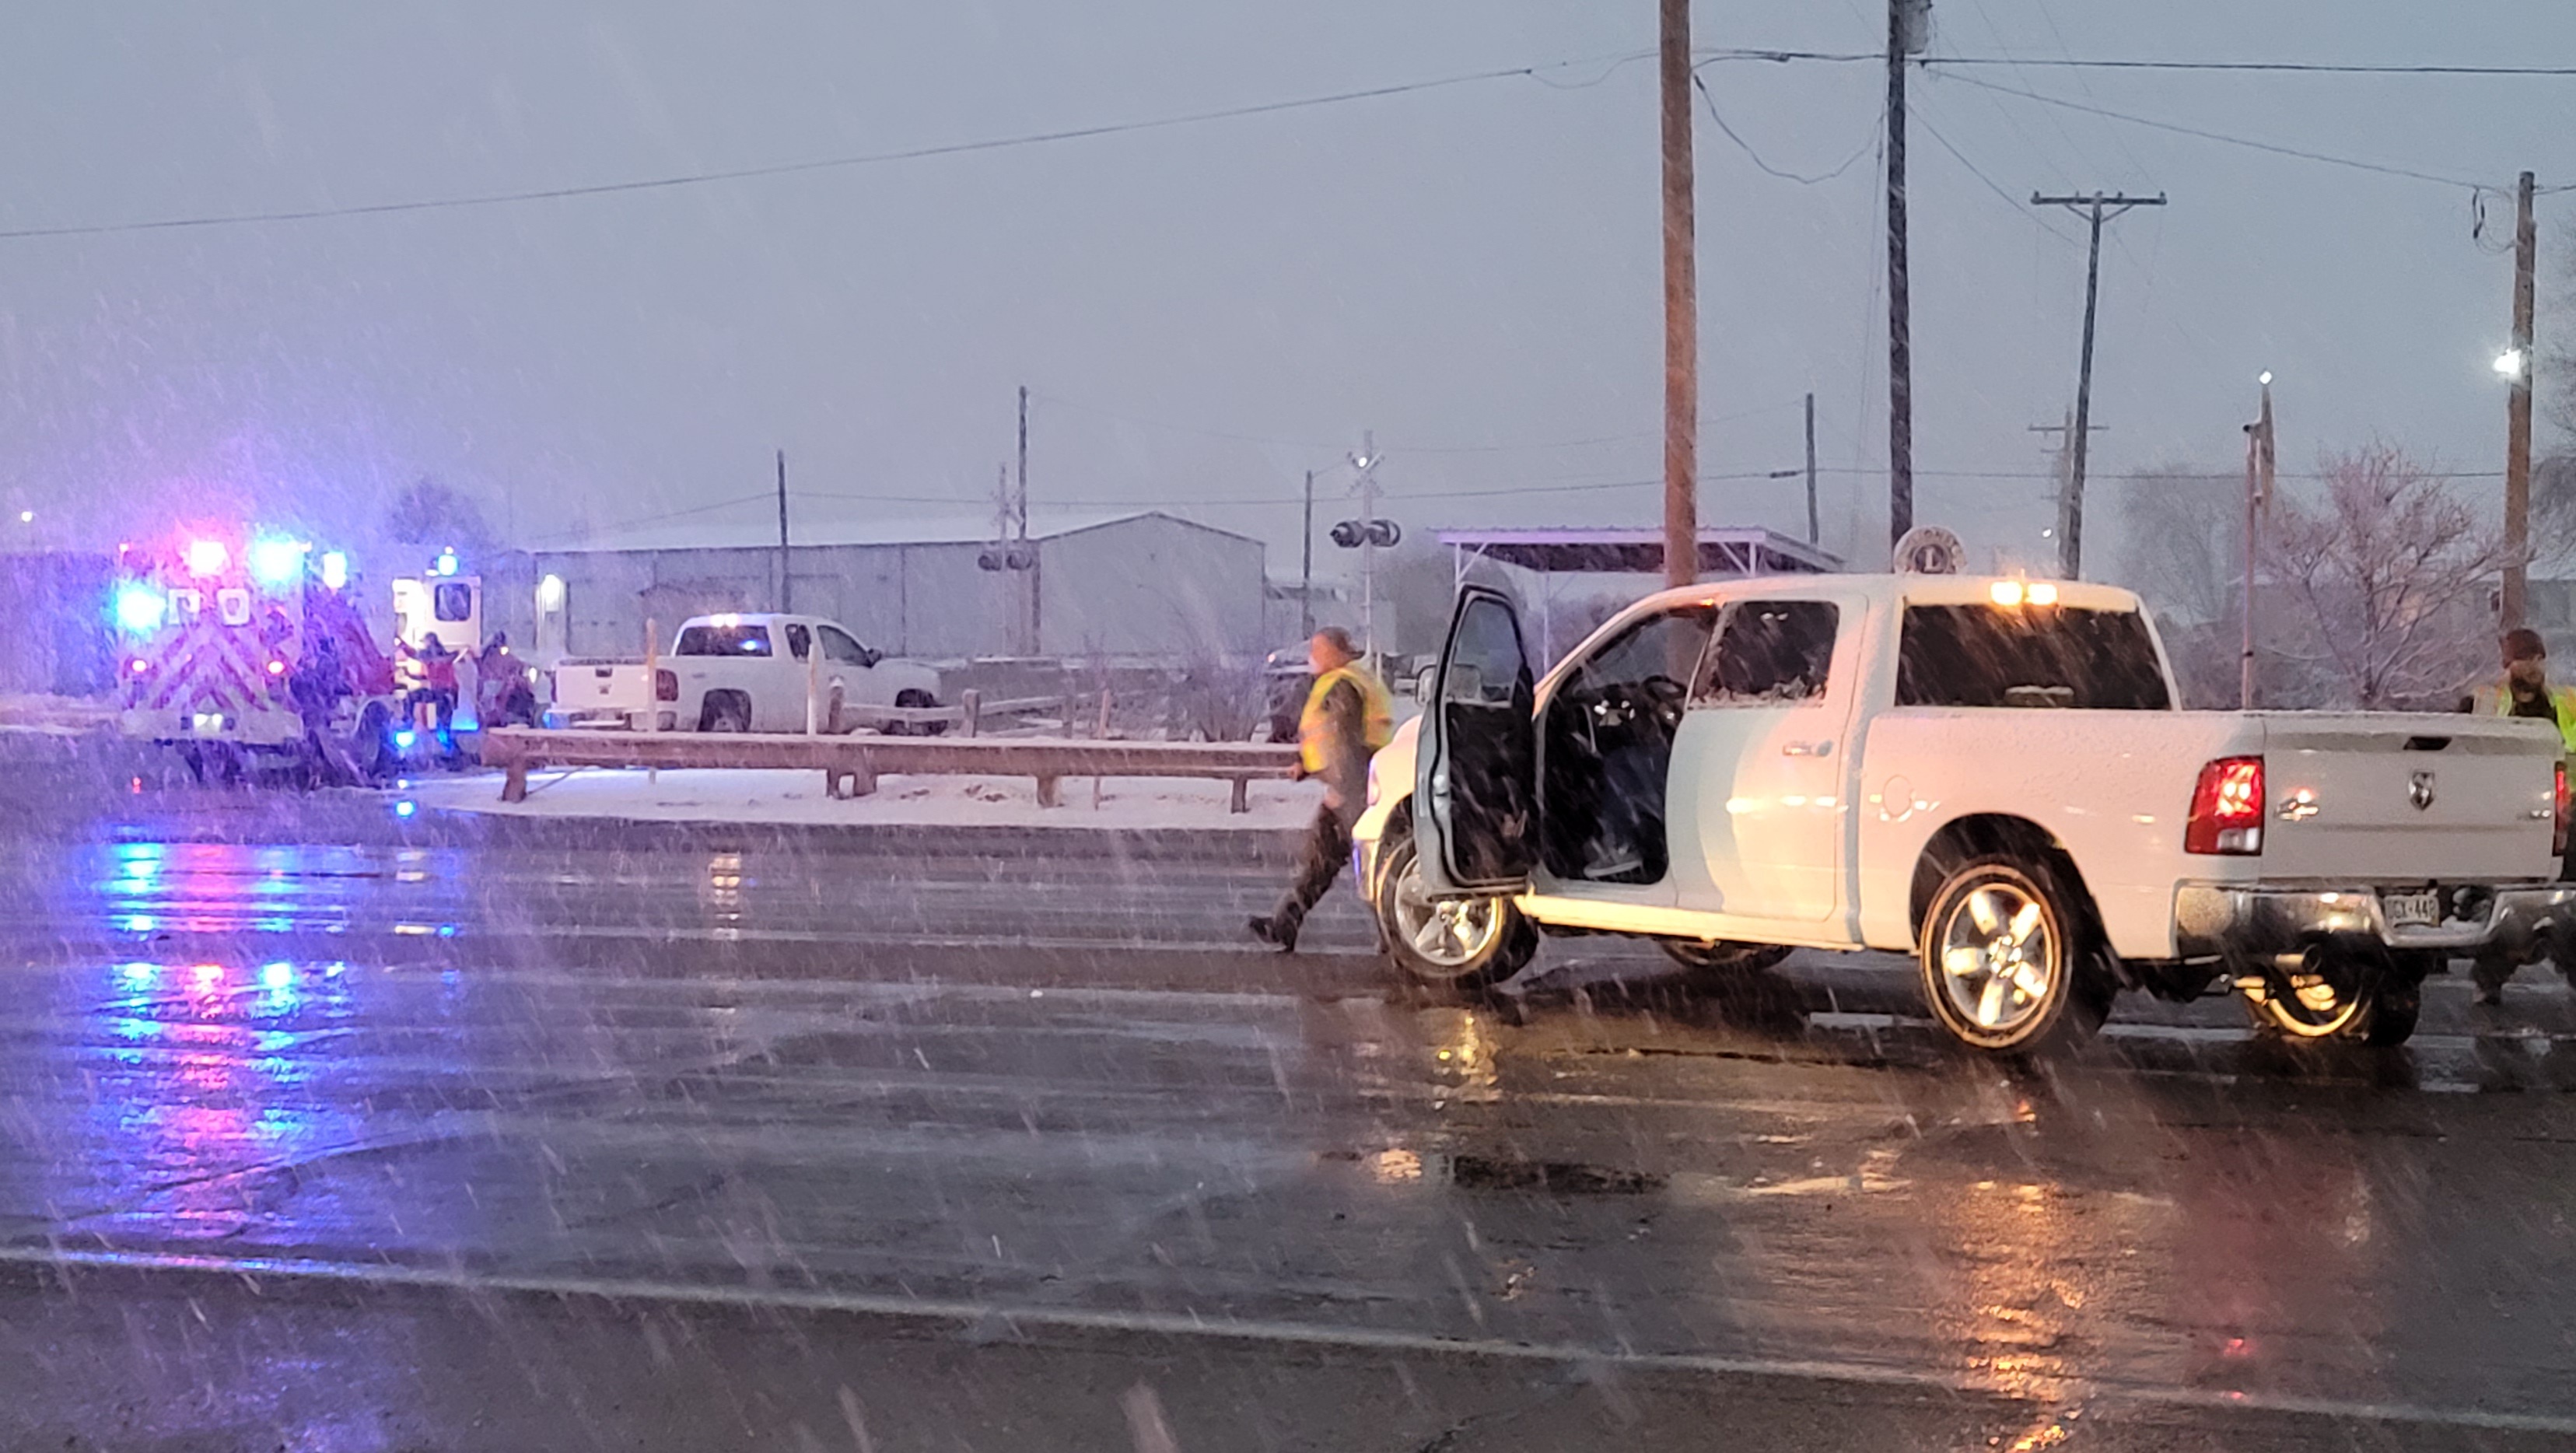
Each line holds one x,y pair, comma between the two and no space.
2388,578
428,512
2553,472
2554,374
2182,535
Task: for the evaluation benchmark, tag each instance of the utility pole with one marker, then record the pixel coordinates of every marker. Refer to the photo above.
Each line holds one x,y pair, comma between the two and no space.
1367,463
1027,577
1814,531
1909,31
1681,309
2070,508
2259,457
2061,458
1306,565
1010,549
786,588
2517,413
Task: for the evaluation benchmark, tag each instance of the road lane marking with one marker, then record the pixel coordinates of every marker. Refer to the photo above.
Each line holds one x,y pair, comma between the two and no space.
1273,1331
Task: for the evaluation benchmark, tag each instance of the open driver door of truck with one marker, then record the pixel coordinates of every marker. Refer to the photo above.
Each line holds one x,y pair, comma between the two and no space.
1478,765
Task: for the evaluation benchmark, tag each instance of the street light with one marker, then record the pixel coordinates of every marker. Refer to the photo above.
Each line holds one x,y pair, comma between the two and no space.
2509,363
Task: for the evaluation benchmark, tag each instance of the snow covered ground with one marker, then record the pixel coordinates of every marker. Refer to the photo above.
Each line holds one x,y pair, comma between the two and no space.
709,795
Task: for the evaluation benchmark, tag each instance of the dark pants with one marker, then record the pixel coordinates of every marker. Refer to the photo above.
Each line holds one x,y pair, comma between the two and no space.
1327,852
441,702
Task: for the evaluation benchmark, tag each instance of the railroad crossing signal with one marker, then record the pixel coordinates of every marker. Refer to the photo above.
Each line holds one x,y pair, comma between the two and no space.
1352,534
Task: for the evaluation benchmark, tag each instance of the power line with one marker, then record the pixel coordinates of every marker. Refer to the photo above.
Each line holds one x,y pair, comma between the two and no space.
2321,68
1551,487
668,515
2008,198
1574,487
692,179
2336,68
1756,157
1390,447
1529,72
2220,136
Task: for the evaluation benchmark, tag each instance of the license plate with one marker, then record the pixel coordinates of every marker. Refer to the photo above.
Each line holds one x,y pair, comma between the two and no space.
2412,910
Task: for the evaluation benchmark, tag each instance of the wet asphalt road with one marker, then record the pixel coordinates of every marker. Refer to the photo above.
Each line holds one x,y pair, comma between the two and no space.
326,1128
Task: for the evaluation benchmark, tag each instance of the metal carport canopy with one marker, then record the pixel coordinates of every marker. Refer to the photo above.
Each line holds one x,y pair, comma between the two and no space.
1563,551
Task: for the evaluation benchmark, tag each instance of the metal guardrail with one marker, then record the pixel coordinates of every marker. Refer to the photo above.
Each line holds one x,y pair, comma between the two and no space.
851,765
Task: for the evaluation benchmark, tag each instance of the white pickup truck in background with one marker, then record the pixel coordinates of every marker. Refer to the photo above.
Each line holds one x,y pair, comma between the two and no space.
1992,775
746,673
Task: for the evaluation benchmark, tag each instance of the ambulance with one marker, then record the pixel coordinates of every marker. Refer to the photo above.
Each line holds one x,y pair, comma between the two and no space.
228,641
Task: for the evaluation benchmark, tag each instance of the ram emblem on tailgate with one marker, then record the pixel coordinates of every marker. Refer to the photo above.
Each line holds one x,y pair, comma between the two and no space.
2419,790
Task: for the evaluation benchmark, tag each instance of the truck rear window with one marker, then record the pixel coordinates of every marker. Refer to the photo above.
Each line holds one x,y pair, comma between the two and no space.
723,641
2035,656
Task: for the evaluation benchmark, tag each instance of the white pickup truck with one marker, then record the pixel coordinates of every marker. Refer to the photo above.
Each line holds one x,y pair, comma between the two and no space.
1992,775
747,673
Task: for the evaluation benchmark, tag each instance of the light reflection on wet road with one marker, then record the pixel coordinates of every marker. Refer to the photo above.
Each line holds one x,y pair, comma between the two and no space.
818,1075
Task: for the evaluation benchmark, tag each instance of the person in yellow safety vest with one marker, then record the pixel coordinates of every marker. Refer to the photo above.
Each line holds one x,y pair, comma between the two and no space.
1348,716
2525,691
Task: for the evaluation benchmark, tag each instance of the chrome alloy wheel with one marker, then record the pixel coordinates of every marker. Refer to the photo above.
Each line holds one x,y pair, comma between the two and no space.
1999,961
1448,933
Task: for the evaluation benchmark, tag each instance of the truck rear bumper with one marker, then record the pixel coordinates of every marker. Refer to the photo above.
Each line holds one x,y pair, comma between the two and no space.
2218,921
257,726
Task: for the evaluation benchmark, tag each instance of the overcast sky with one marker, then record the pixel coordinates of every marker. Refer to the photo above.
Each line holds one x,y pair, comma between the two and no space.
1471,270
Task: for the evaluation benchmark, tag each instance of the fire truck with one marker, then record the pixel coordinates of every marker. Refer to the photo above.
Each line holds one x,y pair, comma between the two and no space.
231,644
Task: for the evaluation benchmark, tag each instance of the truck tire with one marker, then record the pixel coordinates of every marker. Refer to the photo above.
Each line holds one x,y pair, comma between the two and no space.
724,711
2011,959
2342,994
915,699
1453,946
1722,959
2394,1011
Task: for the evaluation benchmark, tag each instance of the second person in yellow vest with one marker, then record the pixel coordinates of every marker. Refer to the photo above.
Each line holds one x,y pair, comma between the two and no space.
2526,691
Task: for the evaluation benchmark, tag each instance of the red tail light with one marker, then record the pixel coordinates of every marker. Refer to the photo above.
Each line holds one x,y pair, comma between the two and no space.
2558,820
2227,808
666,686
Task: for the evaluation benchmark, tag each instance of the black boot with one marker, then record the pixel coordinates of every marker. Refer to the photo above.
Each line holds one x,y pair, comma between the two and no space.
1271,931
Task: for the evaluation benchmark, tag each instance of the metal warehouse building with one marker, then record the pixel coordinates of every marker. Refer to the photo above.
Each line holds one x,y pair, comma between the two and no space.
1148,584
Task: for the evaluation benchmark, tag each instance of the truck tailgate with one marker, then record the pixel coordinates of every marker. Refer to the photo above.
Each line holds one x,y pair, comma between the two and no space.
593,687
2383,798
